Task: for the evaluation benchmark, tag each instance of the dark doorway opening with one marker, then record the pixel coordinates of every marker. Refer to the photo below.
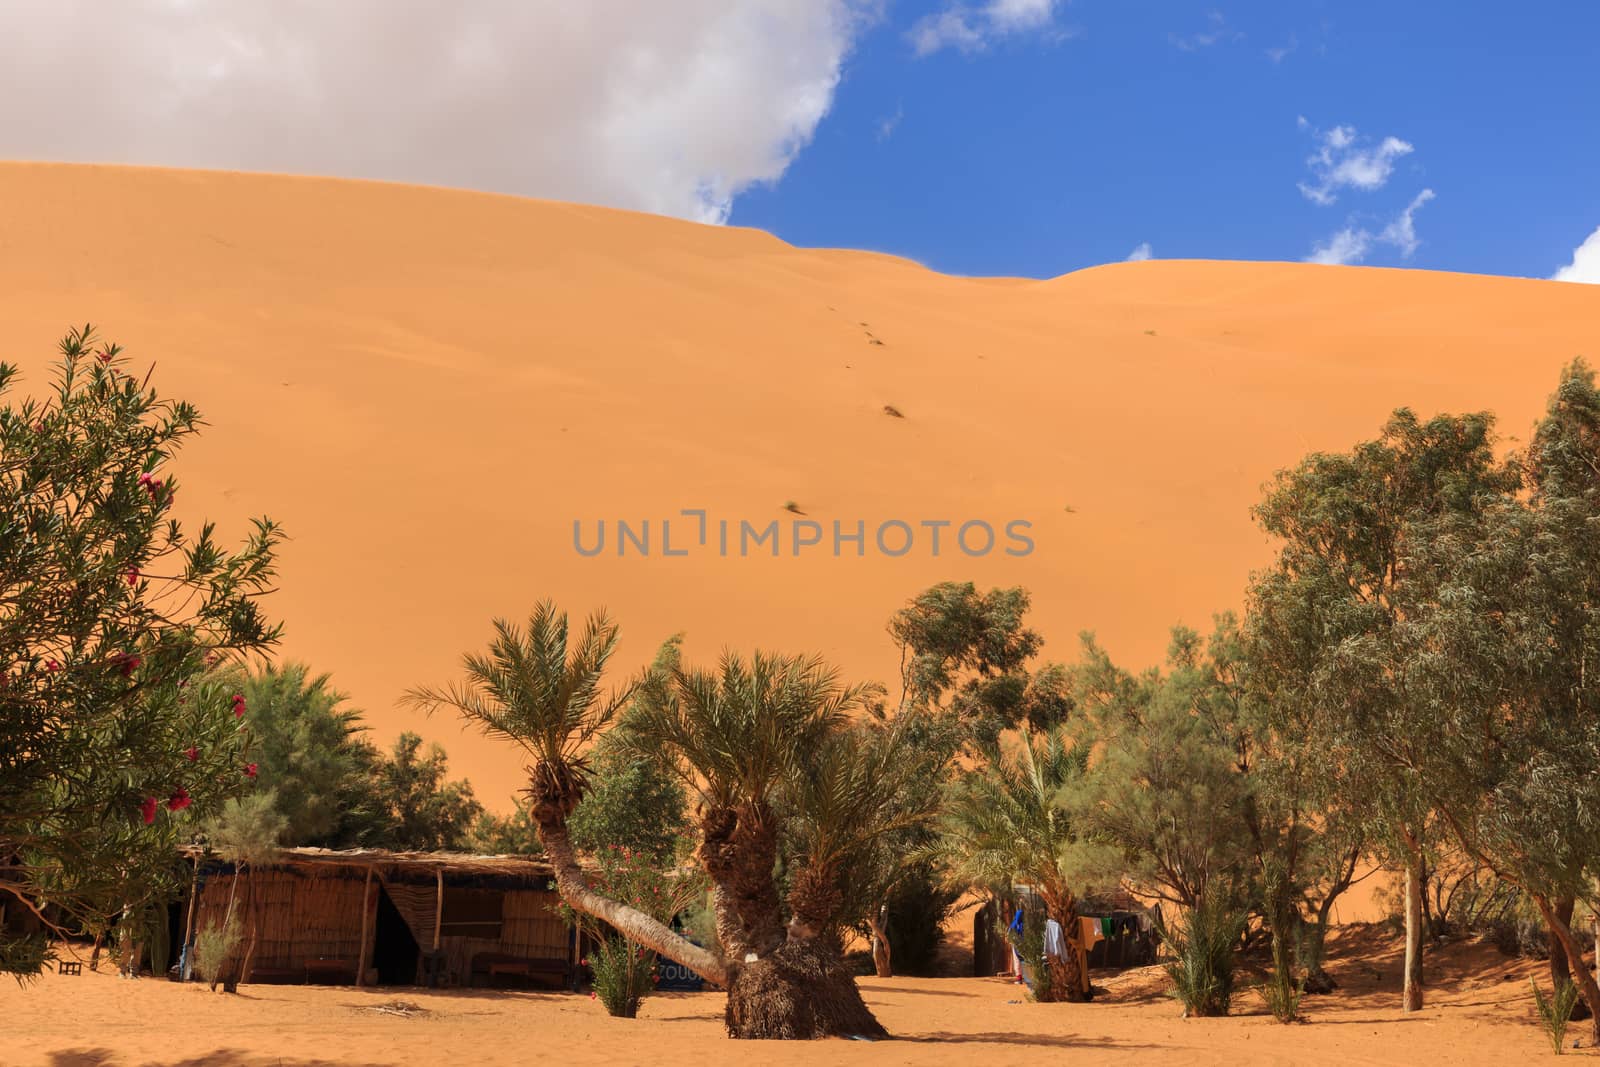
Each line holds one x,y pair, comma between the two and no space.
394,949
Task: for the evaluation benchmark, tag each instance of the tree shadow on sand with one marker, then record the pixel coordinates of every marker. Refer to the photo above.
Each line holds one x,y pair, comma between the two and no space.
1005,1037
222,1057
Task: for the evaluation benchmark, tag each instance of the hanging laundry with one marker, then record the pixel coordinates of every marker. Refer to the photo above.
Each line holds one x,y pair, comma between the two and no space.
1054,943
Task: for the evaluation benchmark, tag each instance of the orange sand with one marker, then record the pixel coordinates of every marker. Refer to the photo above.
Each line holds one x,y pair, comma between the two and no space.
1480,1013
428,387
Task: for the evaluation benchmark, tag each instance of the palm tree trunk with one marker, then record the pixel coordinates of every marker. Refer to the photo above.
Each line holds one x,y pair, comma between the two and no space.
882,959
632,924
798,991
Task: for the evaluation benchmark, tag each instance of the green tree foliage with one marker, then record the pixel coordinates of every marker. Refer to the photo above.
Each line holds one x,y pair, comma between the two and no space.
969,652
1502,646
1162,796
424,809
631,800
313,754
505,835
112,739
1335,602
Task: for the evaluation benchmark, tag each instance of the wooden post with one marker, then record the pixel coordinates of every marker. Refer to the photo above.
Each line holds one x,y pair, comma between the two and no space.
188,925
366,922
438,911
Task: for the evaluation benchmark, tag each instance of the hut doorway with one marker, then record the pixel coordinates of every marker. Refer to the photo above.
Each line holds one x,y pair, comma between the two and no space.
395,952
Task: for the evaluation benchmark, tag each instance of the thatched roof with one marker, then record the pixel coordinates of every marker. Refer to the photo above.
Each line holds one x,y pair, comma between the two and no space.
386,862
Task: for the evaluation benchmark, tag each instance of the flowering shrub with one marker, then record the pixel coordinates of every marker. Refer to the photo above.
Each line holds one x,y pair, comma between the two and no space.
624,972
118,629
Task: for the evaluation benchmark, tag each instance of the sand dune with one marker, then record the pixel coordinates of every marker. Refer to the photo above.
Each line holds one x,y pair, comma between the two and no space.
428,388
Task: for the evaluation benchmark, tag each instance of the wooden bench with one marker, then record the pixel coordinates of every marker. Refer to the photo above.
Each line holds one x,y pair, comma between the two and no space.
494,965
331,969
276,975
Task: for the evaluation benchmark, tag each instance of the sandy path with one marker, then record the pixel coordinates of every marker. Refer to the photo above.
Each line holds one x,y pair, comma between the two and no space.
1480,1014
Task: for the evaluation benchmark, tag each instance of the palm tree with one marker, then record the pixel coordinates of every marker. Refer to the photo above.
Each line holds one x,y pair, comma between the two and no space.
537,689
769,748
1005,827
759,743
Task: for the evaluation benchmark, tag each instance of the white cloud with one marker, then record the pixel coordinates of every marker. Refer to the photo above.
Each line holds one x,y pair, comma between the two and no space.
972,28
1347,246
672,108
1281,52
1353,244
1216,30
1402,232
1141,253
1343,160
1585,265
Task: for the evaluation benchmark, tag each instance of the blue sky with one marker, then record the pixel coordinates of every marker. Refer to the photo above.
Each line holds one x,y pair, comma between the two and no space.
1069,143
1022,137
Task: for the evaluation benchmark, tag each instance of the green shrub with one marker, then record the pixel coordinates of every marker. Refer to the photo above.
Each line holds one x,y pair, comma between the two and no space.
212,947
1555,1011
624,974
1282,993
1202,950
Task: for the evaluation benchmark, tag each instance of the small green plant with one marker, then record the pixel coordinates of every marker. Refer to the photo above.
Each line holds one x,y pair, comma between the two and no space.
1555,1011
790,505
1282,993
1202,948
212,947
893,412
624,974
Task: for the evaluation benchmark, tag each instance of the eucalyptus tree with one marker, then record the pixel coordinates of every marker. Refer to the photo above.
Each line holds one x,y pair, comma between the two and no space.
1503,658
1346,525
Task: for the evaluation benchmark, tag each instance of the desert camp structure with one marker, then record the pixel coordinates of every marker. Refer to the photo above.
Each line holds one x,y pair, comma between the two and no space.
372,917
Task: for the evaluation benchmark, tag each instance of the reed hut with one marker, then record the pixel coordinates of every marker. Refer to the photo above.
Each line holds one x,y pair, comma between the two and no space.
372,917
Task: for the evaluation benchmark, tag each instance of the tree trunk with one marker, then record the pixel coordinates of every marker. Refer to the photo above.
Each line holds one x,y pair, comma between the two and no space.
802,990
1067,980
1314,947
1560,967
1412,999
1581,974
881,960
739,848
632,924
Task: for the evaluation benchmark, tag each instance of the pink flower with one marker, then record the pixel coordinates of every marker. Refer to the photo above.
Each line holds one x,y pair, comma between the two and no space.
149,807
180,800
104,356
249,770
133,575
192,753
52,666
130,663
591,994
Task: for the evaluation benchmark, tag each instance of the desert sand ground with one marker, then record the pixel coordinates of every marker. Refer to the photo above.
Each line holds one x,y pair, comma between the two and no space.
427,388
1480,1012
